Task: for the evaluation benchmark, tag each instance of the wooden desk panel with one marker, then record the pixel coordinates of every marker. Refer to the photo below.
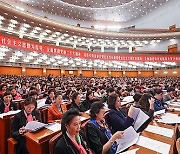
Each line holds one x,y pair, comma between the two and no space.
4,133
38,142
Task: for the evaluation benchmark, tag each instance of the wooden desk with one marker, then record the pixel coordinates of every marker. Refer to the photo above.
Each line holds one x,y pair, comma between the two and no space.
154,136
38,142
5,124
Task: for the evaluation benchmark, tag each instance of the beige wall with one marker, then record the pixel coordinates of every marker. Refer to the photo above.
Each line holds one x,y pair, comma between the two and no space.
167,72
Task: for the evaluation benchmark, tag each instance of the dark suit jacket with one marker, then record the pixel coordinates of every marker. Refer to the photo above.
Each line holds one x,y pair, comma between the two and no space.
119,120
65,145
96,138
48,100
19,121
87,104
11,107
80,108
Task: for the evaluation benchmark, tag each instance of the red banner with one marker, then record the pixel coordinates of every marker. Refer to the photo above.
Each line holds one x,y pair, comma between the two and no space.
50,49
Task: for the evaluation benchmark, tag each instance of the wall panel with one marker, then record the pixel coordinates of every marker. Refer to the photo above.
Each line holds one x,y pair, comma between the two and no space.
75,72
87,73
116,73
146,74
54,72
131,74
167,72
34,71
10,70
102,73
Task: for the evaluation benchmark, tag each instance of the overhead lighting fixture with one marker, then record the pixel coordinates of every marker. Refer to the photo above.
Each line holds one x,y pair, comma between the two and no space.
13,21
4,49
1,17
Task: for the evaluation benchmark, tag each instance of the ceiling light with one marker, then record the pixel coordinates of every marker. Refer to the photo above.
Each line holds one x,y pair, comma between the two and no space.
1,17
13,21
47,30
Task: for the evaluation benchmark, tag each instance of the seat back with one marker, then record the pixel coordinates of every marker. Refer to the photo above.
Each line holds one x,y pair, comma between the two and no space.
52,142
68,105
84,126
175,137
106,117
44,115
12,144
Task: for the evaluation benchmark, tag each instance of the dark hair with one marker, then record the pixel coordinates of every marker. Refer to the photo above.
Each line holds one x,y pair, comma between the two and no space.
95,108
169,89
67,117
11,88
112,101
87,94
74,95
51,90
31,88
68,91
7,93
137,97
32,93
110,90
144,101
30,100
157,91
57,94
3,86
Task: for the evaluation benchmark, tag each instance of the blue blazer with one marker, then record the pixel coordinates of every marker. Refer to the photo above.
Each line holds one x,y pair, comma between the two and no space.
119,120
159,105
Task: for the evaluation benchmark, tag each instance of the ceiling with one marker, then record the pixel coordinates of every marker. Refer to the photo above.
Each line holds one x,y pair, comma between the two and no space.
26,25
90,10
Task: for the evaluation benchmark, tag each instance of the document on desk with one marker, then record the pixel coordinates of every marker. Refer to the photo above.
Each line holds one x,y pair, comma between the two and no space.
173,104
154,145
139,118
87,112
159,112
9,113
160,130
130,137
82,118
124,103
34,125
41,103
54,127
175,108
130,151
169,118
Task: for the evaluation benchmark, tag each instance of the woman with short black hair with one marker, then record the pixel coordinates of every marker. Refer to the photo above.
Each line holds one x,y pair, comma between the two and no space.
76,102
7,105
29,113
100,138
72,141
89,100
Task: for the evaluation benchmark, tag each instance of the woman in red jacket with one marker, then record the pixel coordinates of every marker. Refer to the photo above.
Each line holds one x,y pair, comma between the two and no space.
56,110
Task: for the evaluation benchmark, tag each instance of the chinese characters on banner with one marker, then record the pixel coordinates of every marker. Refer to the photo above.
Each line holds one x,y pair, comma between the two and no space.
50,49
